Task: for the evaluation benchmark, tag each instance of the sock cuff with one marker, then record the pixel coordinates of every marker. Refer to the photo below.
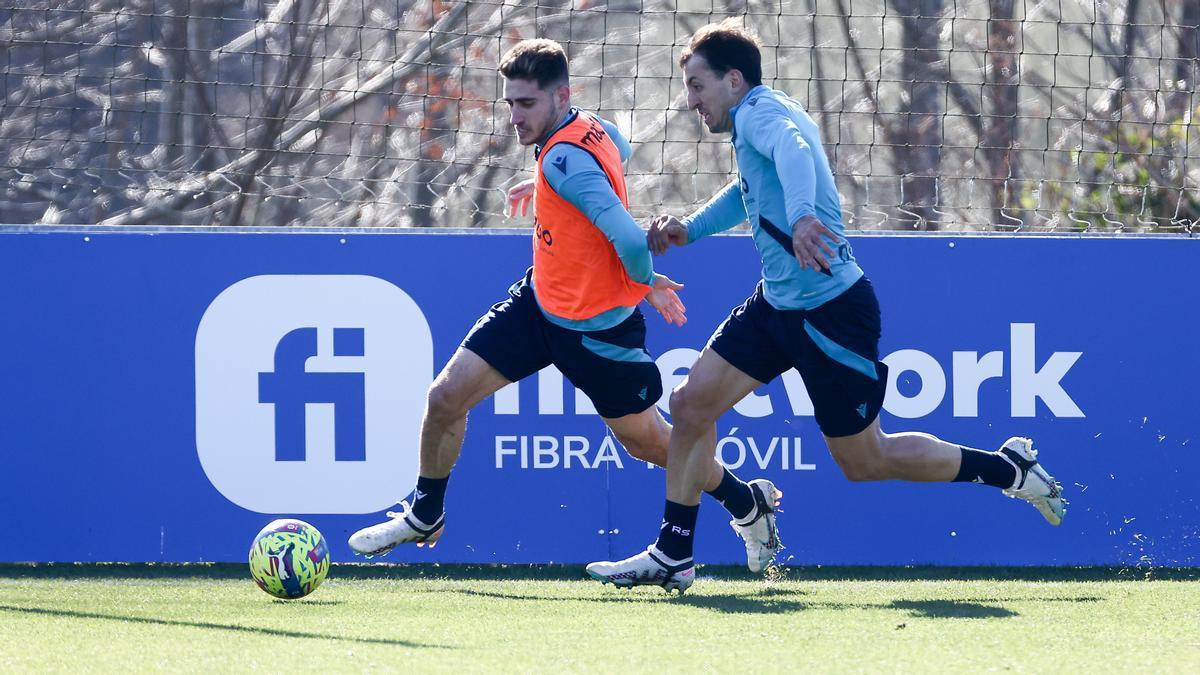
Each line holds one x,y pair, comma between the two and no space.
674,508
667,561
423,527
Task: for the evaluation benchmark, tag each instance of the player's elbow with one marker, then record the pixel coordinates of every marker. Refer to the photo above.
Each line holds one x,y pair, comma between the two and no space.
631,247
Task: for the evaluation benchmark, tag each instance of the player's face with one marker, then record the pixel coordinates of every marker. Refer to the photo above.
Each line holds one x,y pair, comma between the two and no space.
533,111
710,95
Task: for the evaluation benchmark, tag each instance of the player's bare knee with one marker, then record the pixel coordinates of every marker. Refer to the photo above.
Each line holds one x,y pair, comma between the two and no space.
443,403
687,411
862,462
855,469
889,459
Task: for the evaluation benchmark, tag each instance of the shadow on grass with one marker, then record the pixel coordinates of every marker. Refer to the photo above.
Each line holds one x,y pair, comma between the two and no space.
951,609
338,571
510,572
980,573
774,600
729,603
272,632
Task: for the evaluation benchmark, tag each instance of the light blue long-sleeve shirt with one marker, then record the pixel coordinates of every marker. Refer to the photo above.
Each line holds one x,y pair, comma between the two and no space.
576,176
783,175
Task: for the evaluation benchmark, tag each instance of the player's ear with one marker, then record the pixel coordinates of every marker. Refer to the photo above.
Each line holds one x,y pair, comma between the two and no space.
562,94
736,80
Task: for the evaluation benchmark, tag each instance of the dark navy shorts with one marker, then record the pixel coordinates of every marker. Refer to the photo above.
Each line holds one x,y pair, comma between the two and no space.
611,366
835,348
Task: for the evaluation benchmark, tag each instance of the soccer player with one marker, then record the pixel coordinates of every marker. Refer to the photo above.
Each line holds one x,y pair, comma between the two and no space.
575,308
814,311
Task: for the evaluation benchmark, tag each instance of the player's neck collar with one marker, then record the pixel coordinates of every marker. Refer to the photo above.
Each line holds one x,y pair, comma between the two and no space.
745,97
572,113
733,111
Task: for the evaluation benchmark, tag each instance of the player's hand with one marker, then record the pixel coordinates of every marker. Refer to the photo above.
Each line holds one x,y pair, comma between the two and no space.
662,297
664,232
811,239
519,196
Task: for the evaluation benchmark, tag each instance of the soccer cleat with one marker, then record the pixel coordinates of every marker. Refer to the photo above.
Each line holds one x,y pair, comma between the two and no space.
648,568
400,528
759,533
1033,484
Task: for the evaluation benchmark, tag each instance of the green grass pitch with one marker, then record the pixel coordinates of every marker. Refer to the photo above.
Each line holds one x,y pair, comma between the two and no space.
429,618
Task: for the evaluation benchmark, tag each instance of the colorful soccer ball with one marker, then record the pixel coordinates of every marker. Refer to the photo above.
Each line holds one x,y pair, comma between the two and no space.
289,559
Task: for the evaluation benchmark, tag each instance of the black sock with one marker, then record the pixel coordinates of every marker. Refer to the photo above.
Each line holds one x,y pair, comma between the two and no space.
429,499
675,537
734,495
988,468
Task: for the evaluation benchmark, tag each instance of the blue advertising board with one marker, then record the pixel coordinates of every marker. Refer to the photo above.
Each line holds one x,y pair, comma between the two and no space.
163,395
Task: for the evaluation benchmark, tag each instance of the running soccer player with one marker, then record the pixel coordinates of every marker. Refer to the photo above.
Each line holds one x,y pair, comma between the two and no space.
814,311
575,308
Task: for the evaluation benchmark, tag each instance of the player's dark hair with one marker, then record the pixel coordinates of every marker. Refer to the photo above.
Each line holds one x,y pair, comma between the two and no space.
540,60
727,46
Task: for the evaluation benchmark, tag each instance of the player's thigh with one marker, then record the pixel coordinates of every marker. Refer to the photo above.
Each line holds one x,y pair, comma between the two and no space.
835,348
466,380
711,388
860,449
740,357
505,345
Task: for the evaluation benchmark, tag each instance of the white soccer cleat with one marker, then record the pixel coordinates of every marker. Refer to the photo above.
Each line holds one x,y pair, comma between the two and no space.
1033,484
399,528
648,568
759,533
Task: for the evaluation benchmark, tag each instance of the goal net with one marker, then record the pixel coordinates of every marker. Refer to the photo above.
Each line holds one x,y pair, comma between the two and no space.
1057,115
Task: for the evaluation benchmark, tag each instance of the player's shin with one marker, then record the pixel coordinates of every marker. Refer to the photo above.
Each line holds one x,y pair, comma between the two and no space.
675,538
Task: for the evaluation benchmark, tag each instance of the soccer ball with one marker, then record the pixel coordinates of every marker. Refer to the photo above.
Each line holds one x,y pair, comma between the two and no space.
289,559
